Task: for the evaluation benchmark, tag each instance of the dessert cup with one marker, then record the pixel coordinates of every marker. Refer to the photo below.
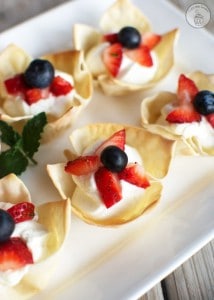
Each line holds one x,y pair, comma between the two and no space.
55,219
155,153
192,144
14,61
123,13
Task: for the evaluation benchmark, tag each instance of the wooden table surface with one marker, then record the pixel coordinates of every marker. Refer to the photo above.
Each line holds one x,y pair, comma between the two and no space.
193,280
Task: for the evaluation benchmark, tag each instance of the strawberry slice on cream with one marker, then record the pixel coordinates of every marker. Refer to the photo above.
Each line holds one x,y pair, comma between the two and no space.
109,168
121,186
38,232
142,59
186,115
48,84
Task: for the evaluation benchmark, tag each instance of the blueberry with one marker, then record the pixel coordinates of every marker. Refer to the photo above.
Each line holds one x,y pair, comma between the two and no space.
129,37
204,102
39,74
7,225
114,159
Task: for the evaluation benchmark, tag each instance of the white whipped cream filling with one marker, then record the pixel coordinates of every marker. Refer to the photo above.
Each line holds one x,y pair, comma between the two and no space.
53,105
202,130
35,237
95,205
130,72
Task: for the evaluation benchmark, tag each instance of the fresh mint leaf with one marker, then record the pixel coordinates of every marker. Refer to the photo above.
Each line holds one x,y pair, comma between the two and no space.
22,146
7,134
12,161
31,134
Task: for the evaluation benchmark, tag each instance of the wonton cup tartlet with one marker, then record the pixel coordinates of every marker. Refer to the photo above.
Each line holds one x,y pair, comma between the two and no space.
151,111
55,217
123,13
14,60
155,152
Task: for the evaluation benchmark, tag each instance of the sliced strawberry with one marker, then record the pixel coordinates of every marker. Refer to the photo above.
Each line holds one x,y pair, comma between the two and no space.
150,39
186,89
14,254
60,86
140,55
183,114
15,85
108,185
111,38
112,58
33,95
22,211
83,165
210,119
134,174
117,139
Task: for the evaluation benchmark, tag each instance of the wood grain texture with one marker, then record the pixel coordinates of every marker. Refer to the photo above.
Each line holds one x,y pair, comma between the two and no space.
155,293
193,280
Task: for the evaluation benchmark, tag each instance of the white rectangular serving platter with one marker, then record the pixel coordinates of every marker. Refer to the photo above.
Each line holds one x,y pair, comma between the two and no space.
124,262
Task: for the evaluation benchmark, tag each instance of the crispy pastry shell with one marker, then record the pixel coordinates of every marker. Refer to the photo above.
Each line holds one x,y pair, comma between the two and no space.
156,164
14,60
120,14
55,217
150,113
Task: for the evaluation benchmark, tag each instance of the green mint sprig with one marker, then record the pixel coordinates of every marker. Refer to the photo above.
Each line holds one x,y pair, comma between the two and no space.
22,147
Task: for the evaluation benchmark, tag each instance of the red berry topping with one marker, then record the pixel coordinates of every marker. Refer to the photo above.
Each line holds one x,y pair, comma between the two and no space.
60,86
108,185
185,111
151,39
22,211
15,85
134,174
112,58
36,94
109,165
210,119
14,254
183,114
117,139
187,90
33,95
111,38
140,55
83,165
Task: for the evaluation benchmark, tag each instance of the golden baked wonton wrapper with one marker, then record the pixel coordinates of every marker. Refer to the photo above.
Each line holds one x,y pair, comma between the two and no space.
155,151
123,13
55,217
14,60
151,111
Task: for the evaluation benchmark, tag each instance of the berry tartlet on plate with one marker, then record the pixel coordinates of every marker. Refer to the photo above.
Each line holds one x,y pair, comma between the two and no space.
186,116
58,84
30,238
124,55
112,175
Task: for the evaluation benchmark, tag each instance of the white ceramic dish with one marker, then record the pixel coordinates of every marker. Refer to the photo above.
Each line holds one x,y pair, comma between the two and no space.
124,262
